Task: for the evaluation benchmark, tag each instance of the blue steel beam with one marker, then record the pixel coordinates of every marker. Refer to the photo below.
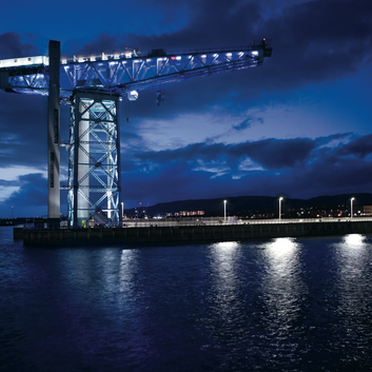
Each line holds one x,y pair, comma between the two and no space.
123,72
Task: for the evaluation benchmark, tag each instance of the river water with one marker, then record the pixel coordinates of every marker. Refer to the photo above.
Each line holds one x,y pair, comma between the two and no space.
278,305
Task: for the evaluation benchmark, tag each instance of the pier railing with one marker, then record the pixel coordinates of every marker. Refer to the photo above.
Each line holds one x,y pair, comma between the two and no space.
218,221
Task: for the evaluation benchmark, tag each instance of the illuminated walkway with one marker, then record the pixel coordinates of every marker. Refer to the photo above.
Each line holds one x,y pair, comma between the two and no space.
219,221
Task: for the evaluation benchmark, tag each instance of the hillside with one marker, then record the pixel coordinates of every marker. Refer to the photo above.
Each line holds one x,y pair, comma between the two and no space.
242,204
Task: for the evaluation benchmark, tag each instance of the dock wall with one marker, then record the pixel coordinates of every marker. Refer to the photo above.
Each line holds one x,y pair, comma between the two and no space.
187,234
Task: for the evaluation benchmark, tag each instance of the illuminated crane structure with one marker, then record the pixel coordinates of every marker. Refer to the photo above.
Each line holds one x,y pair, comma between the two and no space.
93,85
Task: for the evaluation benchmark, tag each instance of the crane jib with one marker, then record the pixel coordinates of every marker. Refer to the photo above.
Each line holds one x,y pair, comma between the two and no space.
127,71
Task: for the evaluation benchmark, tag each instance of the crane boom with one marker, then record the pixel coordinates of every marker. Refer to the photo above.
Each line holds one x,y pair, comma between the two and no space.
122,72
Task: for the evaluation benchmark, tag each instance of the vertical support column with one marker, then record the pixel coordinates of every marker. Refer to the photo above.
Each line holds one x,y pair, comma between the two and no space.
4,80
119,199
82,167
54,134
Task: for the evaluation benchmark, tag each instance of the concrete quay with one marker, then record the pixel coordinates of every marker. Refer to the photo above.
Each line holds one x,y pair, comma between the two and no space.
189,234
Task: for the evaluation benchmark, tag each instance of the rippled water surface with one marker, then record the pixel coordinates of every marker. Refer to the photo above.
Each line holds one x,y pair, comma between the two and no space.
279,305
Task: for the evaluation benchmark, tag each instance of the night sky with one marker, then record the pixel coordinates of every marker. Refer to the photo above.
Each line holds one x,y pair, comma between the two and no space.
298,126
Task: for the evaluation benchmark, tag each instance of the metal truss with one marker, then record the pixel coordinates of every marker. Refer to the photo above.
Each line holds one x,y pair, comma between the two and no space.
33,81
122,72
94,177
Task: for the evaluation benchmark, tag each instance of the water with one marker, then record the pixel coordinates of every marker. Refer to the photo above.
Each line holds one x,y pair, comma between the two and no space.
278,305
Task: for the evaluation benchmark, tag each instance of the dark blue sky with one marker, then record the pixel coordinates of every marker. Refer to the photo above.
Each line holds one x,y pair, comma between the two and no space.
298,126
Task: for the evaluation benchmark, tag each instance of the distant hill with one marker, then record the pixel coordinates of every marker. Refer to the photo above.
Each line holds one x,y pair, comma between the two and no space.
241,204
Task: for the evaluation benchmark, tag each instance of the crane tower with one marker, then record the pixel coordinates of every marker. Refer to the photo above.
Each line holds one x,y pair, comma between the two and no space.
93,85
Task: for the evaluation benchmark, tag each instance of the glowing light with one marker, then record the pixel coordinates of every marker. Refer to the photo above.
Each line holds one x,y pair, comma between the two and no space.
354,240
282,246
132,95
226,246
26,61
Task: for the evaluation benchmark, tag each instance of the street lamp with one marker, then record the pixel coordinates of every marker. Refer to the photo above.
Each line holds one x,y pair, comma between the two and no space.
280,208
224,210
122,211
351,207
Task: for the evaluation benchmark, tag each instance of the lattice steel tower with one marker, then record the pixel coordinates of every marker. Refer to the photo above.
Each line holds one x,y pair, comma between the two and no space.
93,86
94,176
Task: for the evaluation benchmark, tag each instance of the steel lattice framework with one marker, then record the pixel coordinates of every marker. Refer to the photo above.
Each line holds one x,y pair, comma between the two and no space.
122,72
93,85
94,177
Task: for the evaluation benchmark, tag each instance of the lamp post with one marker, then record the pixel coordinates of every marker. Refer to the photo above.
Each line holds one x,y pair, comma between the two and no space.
280,208
224,210
351,207
122,211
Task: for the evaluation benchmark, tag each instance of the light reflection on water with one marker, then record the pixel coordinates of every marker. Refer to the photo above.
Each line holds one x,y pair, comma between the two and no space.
257,310
281,283
282,292
128,268
225,277
282,305
353,258
353,264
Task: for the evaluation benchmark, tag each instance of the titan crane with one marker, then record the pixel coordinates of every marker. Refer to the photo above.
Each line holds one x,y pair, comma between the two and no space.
93,86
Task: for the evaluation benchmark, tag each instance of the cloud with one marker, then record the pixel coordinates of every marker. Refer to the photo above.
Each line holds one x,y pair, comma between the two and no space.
217,170
360,148
247,123
319,40
22,130
276,154
30,196
270,153
299,168
11,46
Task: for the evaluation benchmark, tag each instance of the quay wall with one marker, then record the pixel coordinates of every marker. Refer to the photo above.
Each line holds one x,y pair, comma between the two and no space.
187,234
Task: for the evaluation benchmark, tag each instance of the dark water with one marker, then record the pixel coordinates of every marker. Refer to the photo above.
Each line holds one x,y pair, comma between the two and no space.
280,305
